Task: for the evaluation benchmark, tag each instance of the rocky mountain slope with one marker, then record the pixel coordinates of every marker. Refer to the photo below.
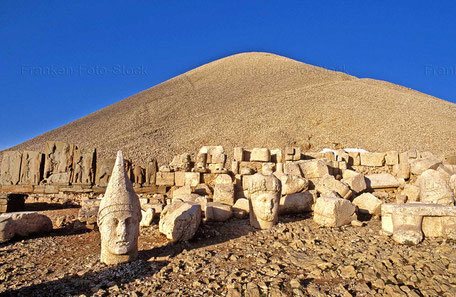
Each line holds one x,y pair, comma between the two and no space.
260,99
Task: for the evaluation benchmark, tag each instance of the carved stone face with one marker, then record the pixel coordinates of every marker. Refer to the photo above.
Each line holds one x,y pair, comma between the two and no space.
119,232
265,206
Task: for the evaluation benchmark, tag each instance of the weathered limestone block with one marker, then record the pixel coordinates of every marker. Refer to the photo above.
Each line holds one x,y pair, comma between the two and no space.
58,160
182,192
89,211
452,183
235,167
292,168
392,158
241,208
83,166
264,193
147,217
104,170
328,183
439,226
333,212
402,170
119,216
293,184
223,179
158,207
151,171
434,188
356,181
181,162
342,155
276,156
412,192
218,212
381,181
224,193
23,224
11,168
201,163
239,154
406,157
215,155
372,159
254,166
296,203
446,171
407,228
354,159
180,220
368,203
260,155
191,179
418,166
164,179
179,178
268,168
32,166
313,168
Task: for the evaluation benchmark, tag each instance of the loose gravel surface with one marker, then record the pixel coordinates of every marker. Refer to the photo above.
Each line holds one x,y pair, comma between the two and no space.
295,258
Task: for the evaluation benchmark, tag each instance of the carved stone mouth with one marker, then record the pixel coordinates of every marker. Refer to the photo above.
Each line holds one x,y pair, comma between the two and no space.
122,243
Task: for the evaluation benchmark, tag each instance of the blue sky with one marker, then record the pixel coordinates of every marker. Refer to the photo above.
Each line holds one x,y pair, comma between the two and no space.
61,60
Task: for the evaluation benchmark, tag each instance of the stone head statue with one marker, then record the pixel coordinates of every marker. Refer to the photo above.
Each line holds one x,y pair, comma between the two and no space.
118,218
264,200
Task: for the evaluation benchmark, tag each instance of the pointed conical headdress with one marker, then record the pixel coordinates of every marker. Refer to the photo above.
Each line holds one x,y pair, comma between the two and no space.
119,195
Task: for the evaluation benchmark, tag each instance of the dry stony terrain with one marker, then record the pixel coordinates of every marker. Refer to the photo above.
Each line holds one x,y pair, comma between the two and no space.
295,258
263,100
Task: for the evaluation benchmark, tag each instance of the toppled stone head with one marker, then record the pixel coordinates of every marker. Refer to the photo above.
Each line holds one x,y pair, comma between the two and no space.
264,200
118,218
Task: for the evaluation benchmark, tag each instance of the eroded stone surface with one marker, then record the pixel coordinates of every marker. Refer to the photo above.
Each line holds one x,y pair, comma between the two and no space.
23,224
333,212
264,193
434,188
180,220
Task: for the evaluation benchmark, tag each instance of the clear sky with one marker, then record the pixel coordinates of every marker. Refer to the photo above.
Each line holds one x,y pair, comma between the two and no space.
61,60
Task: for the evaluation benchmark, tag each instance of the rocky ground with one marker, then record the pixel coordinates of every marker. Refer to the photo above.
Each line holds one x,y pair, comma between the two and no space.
295,258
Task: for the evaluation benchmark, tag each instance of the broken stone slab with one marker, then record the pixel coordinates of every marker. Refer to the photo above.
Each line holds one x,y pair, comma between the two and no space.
296,203
435,220
181,162
368,204
313,168
356,181
381,181
452,183
164,179
147,217
10,170
241,208
58,159
104,170
181,192
333,212
260,155
402,170
238,154
434,188
224,193
293,184
418,166
372,159
32,166
23,224
329,183
218,212
89,211
292,168
412,192
392,158
180,220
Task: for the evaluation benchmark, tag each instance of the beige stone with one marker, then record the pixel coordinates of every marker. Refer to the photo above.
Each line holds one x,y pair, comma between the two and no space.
368,203
147,217
296,203
218,212
223,179
23,224
402,170
372,159
264,193
224,193
292,168
58,160
181,192
151,171
260,155
180,220
412,192
313,168
235,167
239,154
138,175
354,159
165,179
32,168
392,158
434,188
293,184
181,162
241,208
83,166
356,181
118,218
452,183
418,166
276,156
406,157
328,183
10,172
89,210
104,170
333,212
381,181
